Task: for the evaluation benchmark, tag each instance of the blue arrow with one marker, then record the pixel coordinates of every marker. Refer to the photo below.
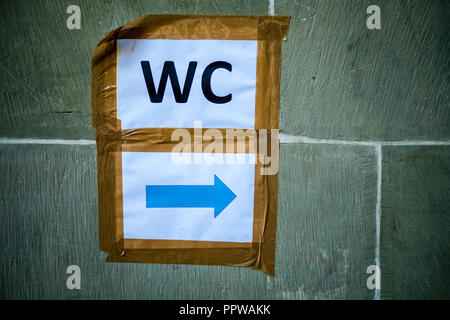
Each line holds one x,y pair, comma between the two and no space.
217,196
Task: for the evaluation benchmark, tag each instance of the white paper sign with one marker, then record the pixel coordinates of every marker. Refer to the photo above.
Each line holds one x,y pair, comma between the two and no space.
220,92
153,174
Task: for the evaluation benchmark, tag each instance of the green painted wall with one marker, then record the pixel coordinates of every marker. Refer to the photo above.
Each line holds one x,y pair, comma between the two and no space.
340,81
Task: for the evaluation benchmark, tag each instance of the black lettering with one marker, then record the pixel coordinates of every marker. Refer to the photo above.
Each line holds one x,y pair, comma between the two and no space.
206,82
168,72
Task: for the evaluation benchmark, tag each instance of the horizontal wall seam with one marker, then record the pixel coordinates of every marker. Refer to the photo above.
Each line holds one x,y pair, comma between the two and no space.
284,139
293,139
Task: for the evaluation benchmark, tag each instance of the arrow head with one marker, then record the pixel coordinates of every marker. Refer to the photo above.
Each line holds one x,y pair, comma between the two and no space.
223,196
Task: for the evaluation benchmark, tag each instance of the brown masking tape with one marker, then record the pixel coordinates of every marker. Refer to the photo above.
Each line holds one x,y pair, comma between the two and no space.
202,27
112,140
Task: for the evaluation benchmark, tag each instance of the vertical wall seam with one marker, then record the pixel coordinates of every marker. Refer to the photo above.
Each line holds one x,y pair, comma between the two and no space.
379,154
271,7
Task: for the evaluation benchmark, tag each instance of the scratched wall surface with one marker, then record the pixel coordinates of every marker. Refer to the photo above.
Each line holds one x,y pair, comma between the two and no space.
347,82
416,222
340,81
